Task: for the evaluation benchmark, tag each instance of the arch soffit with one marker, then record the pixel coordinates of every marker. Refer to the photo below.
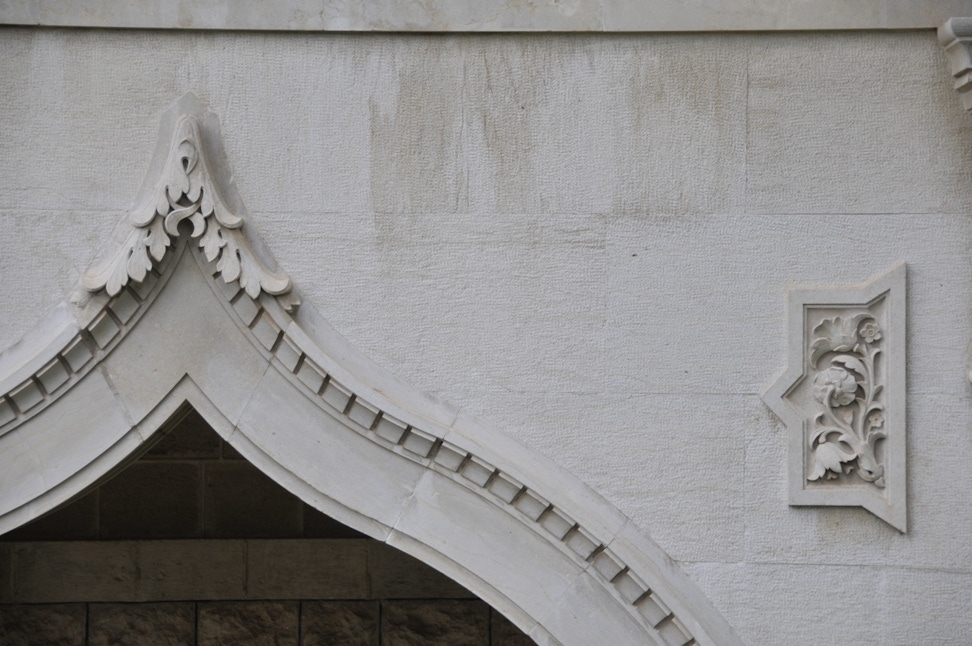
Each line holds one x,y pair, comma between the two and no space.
165,317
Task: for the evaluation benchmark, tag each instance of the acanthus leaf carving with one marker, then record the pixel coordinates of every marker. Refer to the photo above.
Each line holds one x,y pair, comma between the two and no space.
187,190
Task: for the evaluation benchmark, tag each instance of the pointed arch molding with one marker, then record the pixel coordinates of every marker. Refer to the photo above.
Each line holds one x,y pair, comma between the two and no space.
184,306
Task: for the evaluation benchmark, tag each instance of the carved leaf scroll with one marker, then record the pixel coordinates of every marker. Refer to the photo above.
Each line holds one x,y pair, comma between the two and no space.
847,429
187,191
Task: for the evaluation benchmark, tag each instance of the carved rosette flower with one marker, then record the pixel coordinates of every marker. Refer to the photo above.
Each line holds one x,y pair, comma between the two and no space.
186,191
834,386
870,332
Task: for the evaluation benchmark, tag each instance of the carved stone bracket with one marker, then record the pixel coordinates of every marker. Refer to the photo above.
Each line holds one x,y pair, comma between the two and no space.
956,37
843,397
193,184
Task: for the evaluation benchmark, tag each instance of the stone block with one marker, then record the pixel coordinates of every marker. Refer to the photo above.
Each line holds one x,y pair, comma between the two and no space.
395,574
191,570
319,525
78,520
307,569
600,612
152,500
73,571
47,624
469,532
6,574
503,633
434,623
59,446
191,438
320,450
229,453
141,624
339,623
939,617
241,502
255,623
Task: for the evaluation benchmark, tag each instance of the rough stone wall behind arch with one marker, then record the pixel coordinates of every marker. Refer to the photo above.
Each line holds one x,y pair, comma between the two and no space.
191,544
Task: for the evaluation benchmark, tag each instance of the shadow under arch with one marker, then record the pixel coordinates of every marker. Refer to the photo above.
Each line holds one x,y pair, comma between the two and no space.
205,318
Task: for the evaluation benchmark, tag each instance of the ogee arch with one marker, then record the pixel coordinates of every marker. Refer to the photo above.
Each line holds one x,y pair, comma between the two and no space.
183,306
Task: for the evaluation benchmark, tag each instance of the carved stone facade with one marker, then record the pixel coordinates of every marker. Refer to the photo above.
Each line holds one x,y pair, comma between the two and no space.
587,239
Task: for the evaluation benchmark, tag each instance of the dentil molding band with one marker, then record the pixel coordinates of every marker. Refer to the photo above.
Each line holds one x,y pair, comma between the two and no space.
183,307
843,397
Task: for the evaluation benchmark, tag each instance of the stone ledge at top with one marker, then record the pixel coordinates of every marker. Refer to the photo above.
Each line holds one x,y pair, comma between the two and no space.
486,15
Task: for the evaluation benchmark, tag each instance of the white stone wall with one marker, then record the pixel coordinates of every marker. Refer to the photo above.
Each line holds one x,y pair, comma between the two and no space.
586,239
485,15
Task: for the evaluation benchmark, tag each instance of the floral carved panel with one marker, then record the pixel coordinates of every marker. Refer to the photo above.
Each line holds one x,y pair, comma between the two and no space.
843,397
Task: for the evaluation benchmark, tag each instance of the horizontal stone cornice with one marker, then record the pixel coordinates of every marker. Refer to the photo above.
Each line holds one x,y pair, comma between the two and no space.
488,16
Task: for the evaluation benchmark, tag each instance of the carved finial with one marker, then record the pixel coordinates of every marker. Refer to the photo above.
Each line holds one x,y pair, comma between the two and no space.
956,37
186,189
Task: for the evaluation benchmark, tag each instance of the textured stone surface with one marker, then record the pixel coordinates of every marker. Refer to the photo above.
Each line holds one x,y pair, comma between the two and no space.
229,453
308,569
339,623
77,521
6,573
504,633
901,618
395,574
44,572
438,623
318,525
192,438
51,625
200,569
243,502
782,177
261,623
74,571
155,499
139,624
152,500
169,570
